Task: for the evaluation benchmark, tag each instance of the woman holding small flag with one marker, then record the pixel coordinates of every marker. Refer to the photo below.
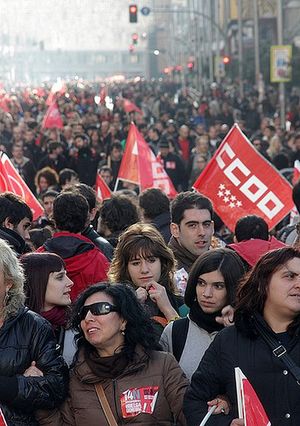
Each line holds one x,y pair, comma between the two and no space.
263,343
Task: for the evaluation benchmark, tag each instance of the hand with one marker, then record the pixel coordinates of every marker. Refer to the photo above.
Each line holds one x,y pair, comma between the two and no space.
222,403
237,422
33,371
227,316
158,294
141,294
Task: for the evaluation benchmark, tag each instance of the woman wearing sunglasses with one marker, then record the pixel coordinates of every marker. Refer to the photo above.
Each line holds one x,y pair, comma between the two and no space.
119,376
47,288
143,259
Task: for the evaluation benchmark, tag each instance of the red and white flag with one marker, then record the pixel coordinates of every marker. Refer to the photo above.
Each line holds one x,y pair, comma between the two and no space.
102,190
58,89
2,419
249,406
239,181
140,166
52,118
11,181
102,95
131,107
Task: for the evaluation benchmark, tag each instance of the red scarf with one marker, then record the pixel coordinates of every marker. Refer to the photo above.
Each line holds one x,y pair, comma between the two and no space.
57,316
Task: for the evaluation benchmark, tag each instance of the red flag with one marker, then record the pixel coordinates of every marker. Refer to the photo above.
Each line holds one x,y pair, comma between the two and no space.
102,190
240,182
58,89
140,166
249,405
11,181
4,103
2,419
130,106
52,118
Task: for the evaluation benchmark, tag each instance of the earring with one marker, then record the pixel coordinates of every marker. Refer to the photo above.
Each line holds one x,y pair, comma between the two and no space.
6,297
123,332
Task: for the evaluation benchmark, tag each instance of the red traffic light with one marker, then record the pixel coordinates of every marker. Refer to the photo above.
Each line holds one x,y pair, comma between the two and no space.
190,65
134,38
133,13
226,60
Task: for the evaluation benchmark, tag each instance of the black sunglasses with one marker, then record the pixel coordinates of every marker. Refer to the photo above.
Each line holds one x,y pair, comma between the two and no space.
100,308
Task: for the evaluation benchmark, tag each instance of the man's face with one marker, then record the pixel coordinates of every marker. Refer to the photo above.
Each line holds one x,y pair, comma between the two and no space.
106,176
22,228
195,230
116,154
17,152
48,205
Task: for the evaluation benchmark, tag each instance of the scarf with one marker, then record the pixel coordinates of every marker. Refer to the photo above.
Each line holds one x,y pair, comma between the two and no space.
57,316
183,256
108,367
206,321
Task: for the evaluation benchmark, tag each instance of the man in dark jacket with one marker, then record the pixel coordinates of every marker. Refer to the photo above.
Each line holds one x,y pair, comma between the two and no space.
90,232
15,221
155,209
85,263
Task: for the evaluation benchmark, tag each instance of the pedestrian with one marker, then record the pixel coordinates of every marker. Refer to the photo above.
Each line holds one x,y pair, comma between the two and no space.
267,317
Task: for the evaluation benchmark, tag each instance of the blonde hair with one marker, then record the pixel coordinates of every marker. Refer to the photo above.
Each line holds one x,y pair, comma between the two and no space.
13,275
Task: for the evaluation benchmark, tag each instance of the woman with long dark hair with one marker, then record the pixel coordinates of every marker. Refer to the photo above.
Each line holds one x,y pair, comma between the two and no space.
119,376
263,343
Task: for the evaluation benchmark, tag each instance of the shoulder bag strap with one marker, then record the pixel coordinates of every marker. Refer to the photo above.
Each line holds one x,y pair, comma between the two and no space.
279,350
179,335
105,405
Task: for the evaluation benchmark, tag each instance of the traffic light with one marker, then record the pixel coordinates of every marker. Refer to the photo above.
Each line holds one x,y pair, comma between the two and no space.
135,38
226,59
133,13
190,66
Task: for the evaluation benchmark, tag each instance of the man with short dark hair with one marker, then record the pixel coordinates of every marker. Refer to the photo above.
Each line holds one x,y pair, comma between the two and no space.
192,229
155,209
85,263
15,221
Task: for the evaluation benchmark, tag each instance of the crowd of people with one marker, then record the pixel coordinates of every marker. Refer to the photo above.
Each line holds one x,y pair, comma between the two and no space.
138,308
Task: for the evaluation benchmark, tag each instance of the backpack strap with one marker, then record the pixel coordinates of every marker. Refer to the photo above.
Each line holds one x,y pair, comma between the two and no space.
179,334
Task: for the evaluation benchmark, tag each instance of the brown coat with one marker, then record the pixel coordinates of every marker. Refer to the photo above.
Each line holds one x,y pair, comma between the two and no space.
82,408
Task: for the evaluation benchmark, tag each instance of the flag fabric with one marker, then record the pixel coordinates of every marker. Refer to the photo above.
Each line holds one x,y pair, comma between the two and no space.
130,106
4,102
239,181
58,89
11,181
140,166
52,118
102,190
2,419
249,406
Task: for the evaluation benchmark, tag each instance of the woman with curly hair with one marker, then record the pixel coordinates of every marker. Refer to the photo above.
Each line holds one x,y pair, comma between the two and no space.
119,376
45,179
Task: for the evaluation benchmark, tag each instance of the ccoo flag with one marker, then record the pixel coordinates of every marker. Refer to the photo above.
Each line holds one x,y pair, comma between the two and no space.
52,118
239,181
11,181
140,166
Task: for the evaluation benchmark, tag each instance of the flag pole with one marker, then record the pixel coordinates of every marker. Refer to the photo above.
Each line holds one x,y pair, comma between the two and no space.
209,413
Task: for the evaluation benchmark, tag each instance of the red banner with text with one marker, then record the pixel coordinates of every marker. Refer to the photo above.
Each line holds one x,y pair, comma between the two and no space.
239,181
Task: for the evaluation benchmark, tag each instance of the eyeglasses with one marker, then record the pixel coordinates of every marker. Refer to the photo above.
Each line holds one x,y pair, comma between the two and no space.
100,308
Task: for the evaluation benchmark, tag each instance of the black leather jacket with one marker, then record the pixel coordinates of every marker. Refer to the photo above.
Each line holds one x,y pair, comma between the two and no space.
27,337
106,248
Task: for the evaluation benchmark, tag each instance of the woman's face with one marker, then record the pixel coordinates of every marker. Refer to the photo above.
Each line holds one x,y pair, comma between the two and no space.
43,183
104,332
283,294
144,270
211,292
58,290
